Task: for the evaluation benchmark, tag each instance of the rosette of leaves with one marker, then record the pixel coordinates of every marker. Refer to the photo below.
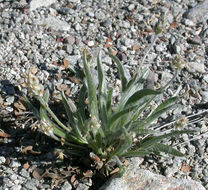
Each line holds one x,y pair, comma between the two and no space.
105,129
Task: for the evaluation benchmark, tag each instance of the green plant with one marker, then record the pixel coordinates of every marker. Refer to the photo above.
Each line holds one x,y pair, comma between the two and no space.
100,127
110,131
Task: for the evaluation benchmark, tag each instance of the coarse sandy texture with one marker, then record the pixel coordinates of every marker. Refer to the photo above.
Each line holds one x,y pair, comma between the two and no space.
50,40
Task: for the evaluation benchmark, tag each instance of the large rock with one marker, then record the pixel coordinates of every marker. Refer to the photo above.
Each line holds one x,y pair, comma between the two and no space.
54,24
199,12
34,4
140,179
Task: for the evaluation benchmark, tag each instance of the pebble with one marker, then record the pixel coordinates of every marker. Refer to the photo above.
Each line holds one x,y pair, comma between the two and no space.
14,164
2,160
195,67
204,96
66,186
16,187
131,7
188,22
91,43
54,23
24,173
30,184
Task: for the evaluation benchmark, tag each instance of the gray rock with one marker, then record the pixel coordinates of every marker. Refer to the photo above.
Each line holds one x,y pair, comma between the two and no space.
188,22
14,164
100,15
136,178
73,59
151,79
131,7
82,186
74,1
16,187
205,77
54,24
166,76
24,173
34,4
66,186
204,96
199,12
30,184
2,159
170,171
195,67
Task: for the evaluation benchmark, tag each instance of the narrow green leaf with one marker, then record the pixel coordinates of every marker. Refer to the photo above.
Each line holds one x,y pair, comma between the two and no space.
150,141
123,145
159,147
46,96
109,100
91,90
121,71
136,153
101,79
145,131
118,115
104,117
147,121
140,94
81,102
68,110
165,104
32,108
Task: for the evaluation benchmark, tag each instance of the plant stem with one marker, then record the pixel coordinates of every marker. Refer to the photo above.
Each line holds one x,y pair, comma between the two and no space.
45,105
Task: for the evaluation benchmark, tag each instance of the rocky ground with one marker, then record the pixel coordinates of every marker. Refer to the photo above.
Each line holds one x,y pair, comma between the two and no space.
49,36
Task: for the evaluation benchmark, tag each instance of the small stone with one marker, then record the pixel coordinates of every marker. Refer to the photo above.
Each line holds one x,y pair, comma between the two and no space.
126,24
195,67
166,76
14,164
66,186
129,42
188,22
100,15
64,10
91,14
131,7
2,160
205,77
204,96
70,40
69,49
78,27
53,23
16,187
198,13
24,173
13,177
61,52
30,184
123,48
34,4
74,1
170,171
91,43
73,59
160,48
82,186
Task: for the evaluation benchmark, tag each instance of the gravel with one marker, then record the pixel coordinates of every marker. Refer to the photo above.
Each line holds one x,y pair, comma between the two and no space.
50,37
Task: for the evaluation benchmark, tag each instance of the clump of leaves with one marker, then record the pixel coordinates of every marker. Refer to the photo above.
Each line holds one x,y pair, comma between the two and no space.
101,128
